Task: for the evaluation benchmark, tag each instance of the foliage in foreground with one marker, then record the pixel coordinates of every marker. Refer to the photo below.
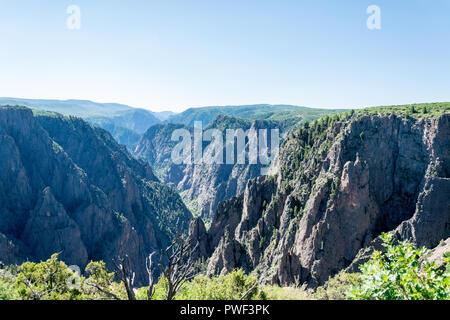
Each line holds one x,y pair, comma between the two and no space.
402,272
232,286
7,290
53,280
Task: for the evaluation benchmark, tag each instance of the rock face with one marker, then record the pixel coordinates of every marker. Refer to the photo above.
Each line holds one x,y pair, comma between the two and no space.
205,185
437,254
69,188
50,229
340,182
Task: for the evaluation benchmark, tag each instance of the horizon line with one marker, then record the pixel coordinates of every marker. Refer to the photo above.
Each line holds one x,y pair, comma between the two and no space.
223,105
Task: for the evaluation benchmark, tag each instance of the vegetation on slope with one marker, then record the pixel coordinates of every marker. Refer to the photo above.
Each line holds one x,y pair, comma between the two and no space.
402,272
306,140
421,110
125,123
250,112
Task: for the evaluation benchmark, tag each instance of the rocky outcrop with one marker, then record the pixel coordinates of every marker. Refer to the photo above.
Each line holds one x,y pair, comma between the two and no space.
340,182
198,239
49,230
437,254
228,255
202,185
69,188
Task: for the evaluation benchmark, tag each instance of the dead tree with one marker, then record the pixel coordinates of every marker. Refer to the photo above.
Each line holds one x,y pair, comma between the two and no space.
180,265
108,294
126,276
151,280
255,285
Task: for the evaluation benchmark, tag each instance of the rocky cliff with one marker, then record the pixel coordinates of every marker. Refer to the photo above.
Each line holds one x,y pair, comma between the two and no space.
340,182
203,185
69,188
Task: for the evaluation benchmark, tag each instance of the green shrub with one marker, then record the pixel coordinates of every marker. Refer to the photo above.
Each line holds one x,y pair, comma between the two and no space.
99,276
7,290
48,280
338,287
228,287
402,273
285,293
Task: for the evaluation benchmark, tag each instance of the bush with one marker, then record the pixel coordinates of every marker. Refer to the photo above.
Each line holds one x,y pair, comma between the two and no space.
49,280
7,290
286,293
338,288
402,273
229,287
99,276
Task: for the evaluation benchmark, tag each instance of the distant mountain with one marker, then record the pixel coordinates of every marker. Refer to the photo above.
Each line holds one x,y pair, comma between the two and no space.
126,126
79,108
164,115
203,186
137,120
125,123
251,112
127,137
339,183
68,187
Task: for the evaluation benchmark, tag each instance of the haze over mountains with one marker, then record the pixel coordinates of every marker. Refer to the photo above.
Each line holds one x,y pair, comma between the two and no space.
68,186
147,135
127,123
251,112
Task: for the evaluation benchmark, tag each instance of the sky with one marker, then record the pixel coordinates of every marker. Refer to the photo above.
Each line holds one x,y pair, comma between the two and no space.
173,54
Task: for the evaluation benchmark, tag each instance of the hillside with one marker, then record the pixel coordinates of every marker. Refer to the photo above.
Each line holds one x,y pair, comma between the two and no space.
136,120
251,112
125,123
341,181
68,187
126,126
202,186
72,107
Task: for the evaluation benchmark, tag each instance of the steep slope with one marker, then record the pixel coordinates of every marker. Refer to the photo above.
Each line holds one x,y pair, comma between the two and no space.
340,182
127,137
68,187
203,185
136,120
126,126
156,145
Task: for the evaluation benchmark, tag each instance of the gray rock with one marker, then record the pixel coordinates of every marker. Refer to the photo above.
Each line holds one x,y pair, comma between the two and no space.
69,188
334,195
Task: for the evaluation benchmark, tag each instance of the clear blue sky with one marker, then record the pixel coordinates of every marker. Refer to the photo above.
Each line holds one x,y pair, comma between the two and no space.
171,54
